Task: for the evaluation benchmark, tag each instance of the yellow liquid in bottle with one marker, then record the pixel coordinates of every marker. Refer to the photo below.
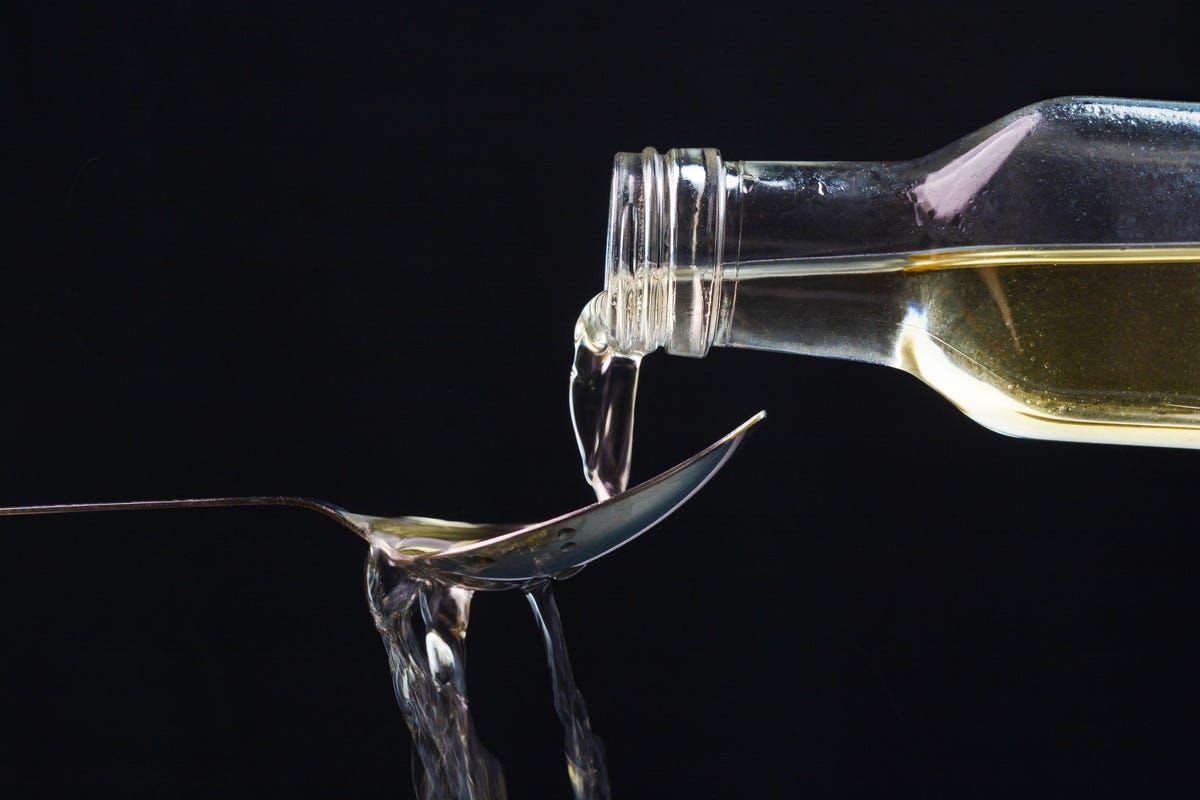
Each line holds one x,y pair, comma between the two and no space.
1079,344
1098,344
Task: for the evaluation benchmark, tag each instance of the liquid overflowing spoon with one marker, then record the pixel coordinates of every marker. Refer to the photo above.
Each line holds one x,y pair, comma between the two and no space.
421,576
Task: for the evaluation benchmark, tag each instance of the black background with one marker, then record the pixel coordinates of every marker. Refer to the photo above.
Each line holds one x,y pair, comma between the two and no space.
337,250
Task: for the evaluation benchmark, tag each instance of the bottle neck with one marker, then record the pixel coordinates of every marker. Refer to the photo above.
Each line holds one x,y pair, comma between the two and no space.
681,224
666,229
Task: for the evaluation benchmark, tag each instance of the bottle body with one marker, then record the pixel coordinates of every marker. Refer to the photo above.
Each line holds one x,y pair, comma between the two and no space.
1043,273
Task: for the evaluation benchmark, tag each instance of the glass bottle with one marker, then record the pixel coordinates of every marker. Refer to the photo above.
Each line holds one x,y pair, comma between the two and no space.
1042,273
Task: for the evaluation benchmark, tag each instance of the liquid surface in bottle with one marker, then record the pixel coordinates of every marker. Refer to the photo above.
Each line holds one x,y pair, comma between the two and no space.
1096,344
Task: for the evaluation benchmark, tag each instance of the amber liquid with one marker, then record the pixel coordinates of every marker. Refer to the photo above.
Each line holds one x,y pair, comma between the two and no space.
1097,344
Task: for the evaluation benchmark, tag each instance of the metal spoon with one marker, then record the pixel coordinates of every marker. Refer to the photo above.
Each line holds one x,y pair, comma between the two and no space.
493,556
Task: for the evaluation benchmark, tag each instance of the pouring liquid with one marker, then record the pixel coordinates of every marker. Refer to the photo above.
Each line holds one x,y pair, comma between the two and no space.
603,393
423,616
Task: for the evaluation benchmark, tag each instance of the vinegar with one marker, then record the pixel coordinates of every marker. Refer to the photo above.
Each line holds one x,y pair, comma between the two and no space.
1096,344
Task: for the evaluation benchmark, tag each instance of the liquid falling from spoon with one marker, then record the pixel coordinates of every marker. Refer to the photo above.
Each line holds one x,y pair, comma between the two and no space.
423,622
586,768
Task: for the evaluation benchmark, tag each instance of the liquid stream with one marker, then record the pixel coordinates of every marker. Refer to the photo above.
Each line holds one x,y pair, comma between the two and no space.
602,397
